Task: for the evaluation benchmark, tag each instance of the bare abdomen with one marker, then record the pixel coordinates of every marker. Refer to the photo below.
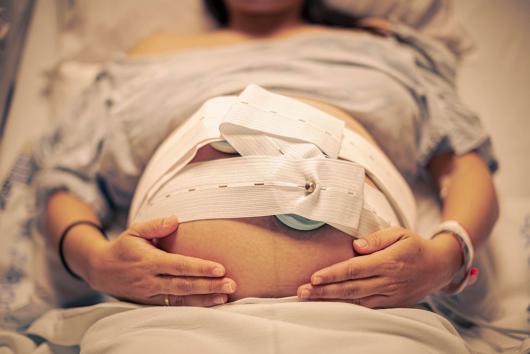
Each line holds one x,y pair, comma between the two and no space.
263,256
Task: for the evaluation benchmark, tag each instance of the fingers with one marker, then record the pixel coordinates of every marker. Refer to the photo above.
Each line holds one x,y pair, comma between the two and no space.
347,290
376,302
190,300
354,268
154,228
378,240
367,297
178,265
188,285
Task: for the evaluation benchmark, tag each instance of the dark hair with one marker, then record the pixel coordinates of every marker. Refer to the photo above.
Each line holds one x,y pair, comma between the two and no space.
313,11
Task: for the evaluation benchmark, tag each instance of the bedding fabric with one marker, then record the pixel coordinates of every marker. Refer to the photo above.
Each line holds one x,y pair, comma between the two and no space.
250,325
434,18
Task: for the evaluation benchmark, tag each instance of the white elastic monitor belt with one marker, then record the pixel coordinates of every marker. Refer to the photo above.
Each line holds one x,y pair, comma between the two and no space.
295,159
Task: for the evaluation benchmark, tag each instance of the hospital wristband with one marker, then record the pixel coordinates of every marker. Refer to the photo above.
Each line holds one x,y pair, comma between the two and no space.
63,237
467,273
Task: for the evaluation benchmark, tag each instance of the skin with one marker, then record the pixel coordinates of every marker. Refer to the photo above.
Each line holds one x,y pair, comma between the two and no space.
262,18
396,266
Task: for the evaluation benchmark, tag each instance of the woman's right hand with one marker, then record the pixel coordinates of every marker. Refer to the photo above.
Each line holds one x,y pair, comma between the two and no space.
132,268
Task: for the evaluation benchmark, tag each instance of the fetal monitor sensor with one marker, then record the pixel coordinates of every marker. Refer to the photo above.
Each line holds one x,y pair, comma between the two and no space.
224,147
293,221
290,160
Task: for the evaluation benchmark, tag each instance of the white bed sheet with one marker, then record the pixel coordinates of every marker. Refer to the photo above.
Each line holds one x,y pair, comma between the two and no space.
495,81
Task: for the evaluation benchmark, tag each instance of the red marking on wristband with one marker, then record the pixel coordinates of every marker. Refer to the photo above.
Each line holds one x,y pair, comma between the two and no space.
473,275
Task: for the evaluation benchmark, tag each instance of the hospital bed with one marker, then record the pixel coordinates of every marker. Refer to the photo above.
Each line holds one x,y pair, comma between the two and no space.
68,41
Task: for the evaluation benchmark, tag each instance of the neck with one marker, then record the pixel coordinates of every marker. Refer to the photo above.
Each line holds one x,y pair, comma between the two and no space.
261,25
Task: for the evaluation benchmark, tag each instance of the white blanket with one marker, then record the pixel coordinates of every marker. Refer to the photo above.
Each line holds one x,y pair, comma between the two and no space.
250,326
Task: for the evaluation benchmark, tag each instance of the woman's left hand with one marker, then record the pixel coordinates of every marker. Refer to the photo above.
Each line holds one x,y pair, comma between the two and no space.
394,267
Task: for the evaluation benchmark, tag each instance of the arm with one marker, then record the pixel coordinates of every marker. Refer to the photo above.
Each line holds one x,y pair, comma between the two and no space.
398,267
64,209
130,267
468,194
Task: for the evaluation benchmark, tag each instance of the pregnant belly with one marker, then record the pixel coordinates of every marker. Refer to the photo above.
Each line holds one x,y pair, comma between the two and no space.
263,256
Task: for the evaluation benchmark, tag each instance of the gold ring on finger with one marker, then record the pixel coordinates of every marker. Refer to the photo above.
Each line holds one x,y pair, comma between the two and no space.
178,300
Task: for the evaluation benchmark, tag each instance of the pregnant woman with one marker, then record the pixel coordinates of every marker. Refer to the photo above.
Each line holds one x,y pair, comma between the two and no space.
399,99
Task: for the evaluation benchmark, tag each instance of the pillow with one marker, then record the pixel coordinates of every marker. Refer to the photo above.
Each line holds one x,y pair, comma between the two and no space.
434,18
91,32
94,30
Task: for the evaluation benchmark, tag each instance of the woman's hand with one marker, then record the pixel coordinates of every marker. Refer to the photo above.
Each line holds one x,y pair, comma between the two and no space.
395,267
132,268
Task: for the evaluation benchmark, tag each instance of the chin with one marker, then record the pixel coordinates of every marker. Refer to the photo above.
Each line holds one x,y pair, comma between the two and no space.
263,6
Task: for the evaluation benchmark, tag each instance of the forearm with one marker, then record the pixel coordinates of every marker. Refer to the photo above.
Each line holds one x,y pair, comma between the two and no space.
64,209
469,196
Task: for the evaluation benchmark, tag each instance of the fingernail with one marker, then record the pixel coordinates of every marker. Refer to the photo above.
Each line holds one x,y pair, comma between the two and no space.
227,287
315,279
304,294
361,243
218,271
170,220
218,300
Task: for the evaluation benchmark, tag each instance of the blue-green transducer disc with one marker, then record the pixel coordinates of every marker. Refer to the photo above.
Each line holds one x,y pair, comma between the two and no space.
298,222
223,146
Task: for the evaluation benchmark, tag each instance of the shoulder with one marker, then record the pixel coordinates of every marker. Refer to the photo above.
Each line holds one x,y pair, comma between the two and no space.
158,43
164,43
